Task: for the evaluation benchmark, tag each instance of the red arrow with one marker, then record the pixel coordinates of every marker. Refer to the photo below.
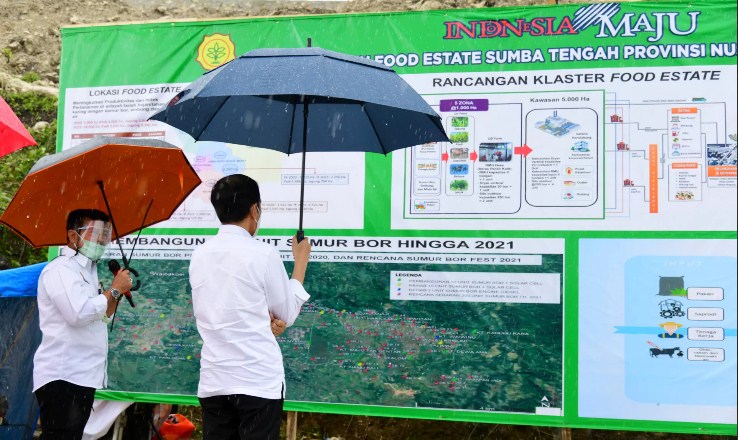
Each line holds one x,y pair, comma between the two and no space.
525,150
473,156
444,157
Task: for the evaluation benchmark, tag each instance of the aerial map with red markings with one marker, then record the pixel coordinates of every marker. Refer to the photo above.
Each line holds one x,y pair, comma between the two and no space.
355,344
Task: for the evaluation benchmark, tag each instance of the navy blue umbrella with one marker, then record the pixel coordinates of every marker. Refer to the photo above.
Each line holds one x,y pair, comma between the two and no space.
262,99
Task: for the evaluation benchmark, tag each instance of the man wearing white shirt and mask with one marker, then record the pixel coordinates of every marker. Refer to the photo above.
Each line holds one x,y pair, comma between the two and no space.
238,282
71,361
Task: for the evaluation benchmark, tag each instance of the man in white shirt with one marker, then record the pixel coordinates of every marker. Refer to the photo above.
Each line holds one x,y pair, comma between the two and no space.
71,361
237,282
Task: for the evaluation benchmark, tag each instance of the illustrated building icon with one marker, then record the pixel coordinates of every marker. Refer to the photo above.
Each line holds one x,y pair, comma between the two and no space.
555,121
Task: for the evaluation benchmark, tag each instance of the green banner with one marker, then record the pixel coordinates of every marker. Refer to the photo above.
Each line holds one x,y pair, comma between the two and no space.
568,259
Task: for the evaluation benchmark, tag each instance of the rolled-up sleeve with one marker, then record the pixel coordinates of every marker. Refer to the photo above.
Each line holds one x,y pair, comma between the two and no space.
284,296
76,300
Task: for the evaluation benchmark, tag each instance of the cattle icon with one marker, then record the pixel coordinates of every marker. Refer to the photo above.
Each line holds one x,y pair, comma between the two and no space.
655,352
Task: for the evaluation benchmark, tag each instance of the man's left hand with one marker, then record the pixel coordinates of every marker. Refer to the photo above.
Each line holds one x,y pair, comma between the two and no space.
277,325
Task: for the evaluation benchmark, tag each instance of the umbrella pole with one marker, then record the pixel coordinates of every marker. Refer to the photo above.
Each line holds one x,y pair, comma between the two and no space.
107,205
300,232
122,254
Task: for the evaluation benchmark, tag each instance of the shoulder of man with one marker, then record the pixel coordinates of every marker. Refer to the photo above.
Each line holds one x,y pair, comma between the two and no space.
58,262
236,241
262,247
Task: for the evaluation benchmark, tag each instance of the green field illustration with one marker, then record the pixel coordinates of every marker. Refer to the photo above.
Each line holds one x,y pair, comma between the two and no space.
459,185
352,345
459,137
460,121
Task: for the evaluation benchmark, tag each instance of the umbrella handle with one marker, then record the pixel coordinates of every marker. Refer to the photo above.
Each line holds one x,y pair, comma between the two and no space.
300,235
127,294
138,282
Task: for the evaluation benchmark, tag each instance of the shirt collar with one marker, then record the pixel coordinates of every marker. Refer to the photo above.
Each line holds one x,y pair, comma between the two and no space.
76,257
233,229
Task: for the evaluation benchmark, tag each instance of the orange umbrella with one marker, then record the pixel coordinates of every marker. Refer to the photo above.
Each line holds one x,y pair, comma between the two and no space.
138,182
13,135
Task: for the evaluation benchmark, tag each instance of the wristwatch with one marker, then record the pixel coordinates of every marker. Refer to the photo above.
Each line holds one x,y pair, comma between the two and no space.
115,294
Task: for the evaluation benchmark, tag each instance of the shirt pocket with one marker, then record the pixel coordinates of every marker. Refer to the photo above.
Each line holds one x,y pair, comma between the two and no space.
91,291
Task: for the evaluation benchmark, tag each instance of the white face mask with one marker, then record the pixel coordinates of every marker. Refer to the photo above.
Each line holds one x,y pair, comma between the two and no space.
98,235
91,249
256,231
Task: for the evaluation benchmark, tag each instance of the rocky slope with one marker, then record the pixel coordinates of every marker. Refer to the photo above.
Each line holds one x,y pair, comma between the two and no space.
30,37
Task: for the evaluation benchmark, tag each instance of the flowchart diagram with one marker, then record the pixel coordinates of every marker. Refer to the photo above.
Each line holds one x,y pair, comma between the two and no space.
631,155
662,154
569,177
660,320
679,323
511,156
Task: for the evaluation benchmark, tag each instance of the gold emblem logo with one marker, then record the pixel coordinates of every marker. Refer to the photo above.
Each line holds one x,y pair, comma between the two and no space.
215,49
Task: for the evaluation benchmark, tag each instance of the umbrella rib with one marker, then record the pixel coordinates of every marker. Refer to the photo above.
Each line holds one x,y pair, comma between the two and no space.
376,133
213,117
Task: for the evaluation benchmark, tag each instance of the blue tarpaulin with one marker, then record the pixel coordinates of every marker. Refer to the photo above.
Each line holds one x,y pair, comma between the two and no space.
20,282
20,337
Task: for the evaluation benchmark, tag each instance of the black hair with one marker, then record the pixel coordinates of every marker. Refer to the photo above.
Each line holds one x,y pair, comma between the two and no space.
233,196
76,219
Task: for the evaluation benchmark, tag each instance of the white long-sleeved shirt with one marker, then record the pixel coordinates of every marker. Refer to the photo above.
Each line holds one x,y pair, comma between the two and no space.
74,342
236,281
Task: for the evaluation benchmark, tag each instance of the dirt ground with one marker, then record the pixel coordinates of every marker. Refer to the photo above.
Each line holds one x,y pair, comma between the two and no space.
30,38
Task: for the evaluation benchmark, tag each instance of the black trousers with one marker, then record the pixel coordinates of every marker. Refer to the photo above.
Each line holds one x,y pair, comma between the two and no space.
241,417
65,408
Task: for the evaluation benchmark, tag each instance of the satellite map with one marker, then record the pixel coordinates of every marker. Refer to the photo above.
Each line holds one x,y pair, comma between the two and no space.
353,345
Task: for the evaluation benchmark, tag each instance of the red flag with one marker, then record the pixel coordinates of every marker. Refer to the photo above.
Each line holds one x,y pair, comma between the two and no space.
13,135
